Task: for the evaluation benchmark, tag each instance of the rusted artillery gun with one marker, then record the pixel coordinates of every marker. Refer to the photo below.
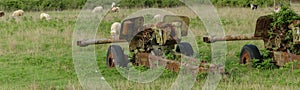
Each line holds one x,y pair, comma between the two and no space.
283,43
152,43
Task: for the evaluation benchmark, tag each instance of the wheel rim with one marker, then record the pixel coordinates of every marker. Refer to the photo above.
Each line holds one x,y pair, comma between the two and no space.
246,57
111,60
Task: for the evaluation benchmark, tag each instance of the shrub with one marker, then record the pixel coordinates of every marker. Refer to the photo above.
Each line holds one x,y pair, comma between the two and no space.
266,64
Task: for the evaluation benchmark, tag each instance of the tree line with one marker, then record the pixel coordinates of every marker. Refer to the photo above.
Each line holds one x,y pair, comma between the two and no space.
40,5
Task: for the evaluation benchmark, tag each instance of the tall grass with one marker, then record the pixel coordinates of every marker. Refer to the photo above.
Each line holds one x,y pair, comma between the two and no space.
37,54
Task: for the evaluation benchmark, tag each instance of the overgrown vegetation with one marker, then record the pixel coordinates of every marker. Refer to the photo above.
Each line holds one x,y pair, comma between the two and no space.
283,23
284,18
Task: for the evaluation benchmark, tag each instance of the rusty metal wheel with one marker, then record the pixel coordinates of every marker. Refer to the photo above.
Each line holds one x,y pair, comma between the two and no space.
248,53
115,56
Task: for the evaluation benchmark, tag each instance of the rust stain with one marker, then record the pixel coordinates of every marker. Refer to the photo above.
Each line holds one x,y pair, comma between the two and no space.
84,43
282,58
144,58
212,39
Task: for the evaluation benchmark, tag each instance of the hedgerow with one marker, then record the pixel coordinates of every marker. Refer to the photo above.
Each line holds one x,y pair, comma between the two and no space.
40,5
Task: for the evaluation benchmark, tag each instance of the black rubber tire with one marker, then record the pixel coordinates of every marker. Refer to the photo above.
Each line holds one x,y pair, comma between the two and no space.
248,53
185,48
118,57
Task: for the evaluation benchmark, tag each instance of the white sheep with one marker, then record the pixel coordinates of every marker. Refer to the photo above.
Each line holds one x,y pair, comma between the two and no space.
2,13
115,9
115,30
277,9
97,9
18,13
158,17
45,16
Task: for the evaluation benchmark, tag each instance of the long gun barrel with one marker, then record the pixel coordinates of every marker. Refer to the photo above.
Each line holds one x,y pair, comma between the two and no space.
212,39
84,43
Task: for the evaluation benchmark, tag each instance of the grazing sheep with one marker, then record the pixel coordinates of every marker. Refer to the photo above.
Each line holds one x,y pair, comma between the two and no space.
115,9
158,17
115,30
18,13
45,16
277,9
97,9
2,13
253,6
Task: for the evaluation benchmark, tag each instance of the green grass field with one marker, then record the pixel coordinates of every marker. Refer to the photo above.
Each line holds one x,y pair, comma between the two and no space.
37,54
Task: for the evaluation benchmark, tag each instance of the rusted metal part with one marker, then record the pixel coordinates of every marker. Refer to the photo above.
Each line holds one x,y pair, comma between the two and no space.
280,38
111,60
246,58
263,25
283,40
84,43
2,13
161,37
182,23
212,39
190,64
296,31
160,34
129,27
203,67
145,58
281,58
